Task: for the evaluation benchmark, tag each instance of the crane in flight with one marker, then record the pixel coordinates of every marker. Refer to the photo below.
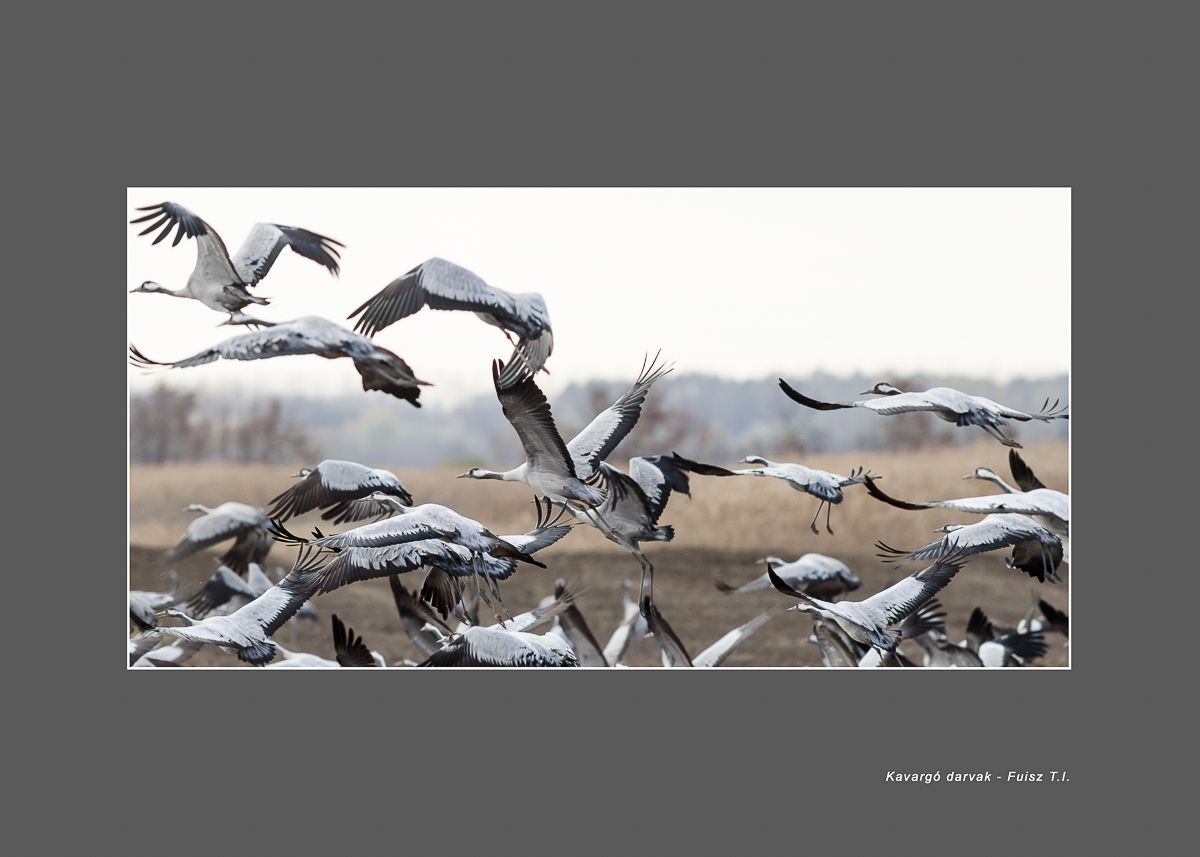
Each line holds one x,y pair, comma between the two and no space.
442,285
943,402
220,281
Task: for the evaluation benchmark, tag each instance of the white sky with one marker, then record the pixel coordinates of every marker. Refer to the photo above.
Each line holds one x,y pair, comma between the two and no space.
742,283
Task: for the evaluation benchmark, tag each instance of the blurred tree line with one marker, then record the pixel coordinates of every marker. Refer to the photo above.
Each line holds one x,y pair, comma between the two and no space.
168,425
701,417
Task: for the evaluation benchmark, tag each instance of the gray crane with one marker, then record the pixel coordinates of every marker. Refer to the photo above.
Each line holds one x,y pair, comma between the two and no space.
341,490
560,470
825,486
220,281
872,620
442,285
380,369
247,524
943,402
816,574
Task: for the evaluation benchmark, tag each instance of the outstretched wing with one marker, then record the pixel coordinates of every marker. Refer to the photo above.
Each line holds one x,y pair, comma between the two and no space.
1022,473
547,531
274,341
212,259
716,654
609,428
909,594
437,284
526,408
673,652
174,215
659,475
337,483
265,242
796,396
218,590
215,527
583,641
351,652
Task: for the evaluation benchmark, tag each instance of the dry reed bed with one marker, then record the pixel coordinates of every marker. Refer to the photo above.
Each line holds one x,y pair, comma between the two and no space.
731,513
726,525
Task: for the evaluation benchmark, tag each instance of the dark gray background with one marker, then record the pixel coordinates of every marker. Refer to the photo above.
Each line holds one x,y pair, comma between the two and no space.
663,94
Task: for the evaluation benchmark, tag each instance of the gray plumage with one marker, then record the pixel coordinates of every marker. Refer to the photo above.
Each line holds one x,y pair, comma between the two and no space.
575,628
143,605
673,652
442,285
1049,509
368,555
341,490
633,625
825,486
380,369
423,627
943,402
512,646
873,619
220,281
716,654
561,470
247,631
1036,550
836,646
247,524
815,574
633,503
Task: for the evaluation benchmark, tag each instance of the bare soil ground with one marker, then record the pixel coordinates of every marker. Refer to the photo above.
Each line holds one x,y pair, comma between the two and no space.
726,526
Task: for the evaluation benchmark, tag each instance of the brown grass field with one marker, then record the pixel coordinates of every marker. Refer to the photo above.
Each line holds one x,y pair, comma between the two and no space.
725,526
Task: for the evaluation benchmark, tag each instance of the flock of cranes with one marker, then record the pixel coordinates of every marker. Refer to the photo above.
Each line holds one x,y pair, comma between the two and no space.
462,562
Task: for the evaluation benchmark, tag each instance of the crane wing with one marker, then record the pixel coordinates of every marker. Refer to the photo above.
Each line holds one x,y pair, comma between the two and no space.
526,408
609,428
266,241
909,594
437,284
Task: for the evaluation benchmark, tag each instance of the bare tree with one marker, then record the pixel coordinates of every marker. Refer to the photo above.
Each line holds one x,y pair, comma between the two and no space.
167,425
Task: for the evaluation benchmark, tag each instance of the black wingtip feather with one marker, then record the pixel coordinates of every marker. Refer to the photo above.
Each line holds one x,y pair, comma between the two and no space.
780,584
796,396
878,494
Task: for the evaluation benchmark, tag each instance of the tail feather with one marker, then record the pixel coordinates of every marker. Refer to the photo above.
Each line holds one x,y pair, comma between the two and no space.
257,654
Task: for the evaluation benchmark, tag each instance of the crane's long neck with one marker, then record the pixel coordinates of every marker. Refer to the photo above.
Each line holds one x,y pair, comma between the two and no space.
178,614
995,479
159,288
480,473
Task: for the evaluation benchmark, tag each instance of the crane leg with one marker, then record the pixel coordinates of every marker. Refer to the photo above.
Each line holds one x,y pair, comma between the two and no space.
483,591
813,523
494,586
646,566
828,511
601,524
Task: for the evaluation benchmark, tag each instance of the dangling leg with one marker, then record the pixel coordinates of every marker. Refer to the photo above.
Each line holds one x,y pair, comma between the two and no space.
601,524
1000,436
494,586
813,523
828,510
646,566
480,588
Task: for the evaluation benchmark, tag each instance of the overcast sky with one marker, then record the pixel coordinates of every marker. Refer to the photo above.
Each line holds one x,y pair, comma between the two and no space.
741,283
